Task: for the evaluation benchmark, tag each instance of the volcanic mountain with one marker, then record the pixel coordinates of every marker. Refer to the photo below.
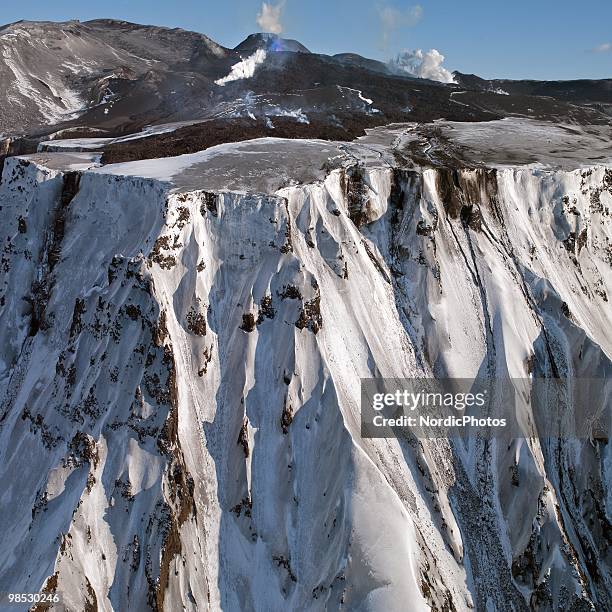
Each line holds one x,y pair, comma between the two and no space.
204,250
110,78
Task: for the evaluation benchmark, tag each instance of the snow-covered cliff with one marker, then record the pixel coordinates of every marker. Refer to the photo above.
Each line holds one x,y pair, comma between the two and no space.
180,401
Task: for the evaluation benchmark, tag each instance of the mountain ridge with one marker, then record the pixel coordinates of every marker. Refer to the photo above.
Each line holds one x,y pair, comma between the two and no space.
104,83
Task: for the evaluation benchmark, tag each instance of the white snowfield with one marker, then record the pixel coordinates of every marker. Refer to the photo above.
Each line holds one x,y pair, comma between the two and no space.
181,347
65,145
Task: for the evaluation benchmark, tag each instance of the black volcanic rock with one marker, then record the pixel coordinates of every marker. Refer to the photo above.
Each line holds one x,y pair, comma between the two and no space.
270,42
353,59
580,90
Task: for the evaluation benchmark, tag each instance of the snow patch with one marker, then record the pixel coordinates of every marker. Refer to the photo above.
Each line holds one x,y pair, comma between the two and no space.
359,94
62,103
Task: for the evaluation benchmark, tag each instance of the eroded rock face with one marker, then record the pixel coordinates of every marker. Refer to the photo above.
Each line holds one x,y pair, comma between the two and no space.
179,399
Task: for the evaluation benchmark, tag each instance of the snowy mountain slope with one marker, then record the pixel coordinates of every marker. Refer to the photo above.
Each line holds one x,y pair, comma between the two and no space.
54,72
179,365
108,74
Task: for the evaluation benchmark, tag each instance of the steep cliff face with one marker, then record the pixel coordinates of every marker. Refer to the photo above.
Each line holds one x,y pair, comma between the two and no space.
180,399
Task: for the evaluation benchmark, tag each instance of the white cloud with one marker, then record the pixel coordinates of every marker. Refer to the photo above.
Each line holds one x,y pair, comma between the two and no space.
245,68
423,64
604,48
270,16
392,18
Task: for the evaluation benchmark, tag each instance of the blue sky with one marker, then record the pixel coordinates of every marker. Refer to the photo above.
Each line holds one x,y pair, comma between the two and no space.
543,39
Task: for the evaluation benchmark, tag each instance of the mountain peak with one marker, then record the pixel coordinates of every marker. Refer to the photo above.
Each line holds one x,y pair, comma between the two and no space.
270,42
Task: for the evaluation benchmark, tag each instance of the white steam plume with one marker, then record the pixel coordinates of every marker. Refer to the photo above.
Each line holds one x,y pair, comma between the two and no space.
392,18
245,68
269,17
603,48
422,64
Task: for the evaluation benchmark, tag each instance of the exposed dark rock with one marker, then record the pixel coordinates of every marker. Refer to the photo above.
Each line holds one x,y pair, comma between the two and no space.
356,194
284,562
310,316
248,322
243,437
210,204
266,309
196,322
164,261
286,417
290,292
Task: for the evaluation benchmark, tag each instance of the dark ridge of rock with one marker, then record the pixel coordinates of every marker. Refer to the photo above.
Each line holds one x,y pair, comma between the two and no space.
210,204
191,139
70,188
356,194
140,75
243,438
270,42
464,190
